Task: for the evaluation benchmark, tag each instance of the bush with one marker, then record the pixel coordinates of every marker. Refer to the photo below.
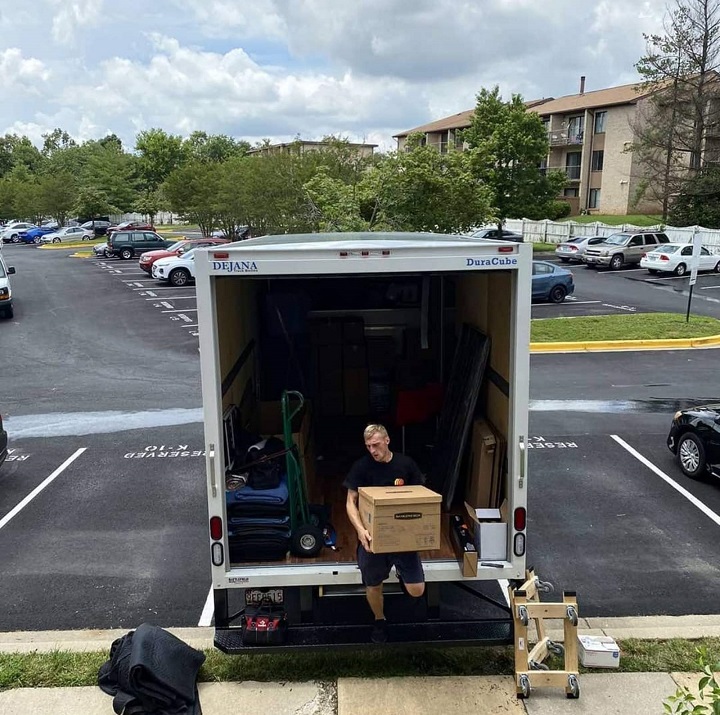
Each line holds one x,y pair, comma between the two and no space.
559,209
707,702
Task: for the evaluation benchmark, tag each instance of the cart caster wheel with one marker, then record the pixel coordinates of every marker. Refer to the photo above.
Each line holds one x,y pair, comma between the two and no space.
556,648
537,665
544,586
307,541
572,615
523,615
574,686
524,686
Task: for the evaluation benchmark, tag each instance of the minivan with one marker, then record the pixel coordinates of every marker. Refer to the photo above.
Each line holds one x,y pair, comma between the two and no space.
6,307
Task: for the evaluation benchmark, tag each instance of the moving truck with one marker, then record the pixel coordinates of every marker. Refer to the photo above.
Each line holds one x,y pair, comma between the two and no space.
362,327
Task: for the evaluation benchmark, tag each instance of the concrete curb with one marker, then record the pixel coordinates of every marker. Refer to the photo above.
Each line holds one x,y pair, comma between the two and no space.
710,341
640,627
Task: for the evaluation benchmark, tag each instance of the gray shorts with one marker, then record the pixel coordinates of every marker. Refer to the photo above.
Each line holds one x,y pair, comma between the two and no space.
375,568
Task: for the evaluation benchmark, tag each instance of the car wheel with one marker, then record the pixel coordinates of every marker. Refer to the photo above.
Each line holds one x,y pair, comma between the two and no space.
590,265
691,456
717,267
179,277
8,312
565,260
15,238
56,240
126,254
107,254
37,240
681,270
557,294
616,262
652,271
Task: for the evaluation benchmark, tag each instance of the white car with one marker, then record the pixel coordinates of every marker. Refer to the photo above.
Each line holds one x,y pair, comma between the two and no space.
69,233
574,248
676,258
178,270
12,231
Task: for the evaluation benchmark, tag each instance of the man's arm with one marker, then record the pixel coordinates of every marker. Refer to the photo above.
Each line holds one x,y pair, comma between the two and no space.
353,513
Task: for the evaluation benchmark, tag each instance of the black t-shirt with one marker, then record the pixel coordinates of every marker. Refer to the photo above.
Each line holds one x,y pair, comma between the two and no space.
399,471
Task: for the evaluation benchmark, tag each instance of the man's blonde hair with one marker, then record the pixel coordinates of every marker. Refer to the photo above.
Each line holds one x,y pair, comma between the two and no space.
370,430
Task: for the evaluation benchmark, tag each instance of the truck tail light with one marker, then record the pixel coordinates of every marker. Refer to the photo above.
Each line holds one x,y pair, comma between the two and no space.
506,249
519,544
519,519
216,529
216,553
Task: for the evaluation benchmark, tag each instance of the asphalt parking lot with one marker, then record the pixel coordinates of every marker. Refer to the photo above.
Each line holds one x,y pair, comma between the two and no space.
102,501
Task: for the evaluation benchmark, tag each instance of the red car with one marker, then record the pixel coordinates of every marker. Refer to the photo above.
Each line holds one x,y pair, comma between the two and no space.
131,226
177,249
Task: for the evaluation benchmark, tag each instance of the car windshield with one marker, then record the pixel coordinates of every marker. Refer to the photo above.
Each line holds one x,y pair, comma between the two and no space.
190,255
666,249
177,245
618,239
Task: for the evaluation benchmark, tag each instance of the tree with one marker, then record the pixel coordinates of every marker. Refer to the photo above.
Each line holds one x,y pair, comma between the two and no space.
56,140
334,205
191,191
507,146
214,147
113,173
699,202
57,195
676,132
159,155
150,203
93,202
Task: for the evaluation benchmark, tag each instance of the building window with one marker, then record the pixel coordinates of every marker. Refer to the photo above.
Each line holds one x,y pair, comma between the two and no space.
594,198
575,129
571,193
600,122
597,160
572,165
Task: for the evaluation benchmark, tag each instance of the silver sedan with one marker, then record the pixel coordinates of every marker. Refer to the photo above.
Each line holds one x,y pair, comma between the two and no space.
574,249
69,233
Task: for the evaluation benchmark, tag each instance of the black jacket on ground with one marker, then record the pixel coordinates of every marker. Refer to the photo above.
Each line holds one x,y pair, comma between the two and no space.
152,671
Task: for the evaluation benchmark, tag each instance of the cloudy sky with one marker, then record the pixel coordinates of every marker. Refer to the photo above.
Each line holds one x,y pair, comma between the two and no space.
255,69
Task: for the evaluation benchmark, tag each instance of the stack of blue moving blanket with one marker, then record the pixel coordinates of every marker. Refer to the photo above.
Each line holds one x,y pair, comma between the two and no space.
258,523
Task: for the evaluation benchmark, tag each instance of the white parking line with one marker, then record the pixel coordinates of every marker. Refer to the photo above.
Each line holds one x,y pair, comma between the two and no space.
710,288
186,310
572,302
208,610
139,280
176,297
48,480
622,270
690,497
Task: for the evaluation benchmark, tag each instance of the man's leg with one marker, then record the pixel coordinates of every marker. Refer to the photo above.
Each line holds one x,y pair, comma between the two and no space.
375,599
410,573
375,568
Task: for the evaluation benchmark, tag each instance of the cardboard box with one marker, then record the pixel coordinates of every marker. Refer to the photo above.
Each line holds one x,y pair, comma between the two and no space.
356,390
464,546
481,465
489,532
598,652
401,518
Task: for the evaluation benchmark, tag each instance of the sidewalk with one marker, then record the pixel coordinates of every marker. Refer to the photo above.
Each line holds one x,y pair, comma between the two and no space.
601,692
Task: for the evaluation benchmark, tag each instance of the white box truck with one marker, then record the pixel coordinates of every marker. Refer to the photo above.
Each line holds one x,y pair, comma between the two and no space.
360,324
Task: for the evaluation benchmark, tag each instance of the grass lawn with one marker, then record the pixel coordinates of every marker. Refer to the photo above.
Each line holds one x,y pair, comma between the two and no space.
633,219
61,668
641,326
541,247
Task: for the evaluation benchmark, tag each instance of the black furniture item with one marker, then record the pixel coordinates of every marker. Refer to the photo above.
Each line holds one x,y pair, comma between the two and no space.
463,388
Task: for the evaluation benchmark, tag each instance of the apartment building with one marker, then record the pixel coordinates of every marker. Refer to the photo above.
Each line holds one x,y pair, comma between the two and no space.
590,135
300,147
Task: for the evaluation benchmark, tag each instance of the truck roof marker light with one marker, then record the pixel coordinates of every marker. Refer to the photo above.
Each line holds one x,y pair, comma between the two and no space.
217,553
519,518
343,254
386,253
216,528
519,544
364,254
221,256
506,249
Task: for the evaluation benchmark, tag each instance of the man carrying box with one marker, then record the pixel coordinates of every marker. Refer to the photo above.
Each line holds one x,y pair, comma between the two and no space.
382,468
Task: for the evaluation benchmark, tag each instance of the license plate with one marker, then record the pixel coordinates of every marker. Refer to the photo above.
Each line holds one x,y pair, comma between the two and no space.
254,596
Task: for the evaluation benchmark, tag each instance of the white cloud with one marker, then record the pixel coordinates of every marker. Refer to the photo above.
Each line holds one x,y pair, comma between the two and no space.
74,15
20,73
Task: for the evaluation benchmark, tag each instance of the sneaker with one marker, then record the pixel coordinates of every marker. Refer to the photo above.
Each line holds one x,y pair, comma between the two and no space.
379,631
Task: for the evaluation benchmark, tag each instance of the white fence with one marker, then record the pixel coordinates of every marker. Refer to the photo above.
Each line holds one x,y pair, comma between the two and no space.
559,231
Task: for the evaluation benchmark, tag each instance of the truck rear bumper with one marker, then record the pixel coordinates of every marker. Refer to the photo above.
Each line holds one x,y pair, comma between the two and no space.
318,637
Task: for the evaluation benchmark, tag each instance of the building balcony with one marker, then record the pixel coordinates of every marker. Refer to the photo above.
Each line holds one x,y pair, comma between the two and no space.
565,138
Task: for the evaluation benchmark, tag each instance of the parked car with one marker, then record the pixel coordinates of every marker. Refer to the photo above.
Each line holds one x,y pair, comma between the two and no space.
3,443
676,258
69,233
100,250
127,244
34,234
694,439
98,226
6,306
497,235
241,233
131,226
11,232
622,249
551,282
574,248
177,270
177,249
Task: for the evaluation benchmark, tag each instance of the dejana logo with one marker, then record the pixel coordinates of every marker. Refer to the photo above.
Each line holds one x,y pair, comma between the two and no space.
235,266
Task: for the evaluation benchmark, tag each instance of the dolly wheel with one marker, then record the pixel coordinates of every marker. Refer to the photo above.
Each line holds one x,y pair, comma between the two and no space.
307,541
523,691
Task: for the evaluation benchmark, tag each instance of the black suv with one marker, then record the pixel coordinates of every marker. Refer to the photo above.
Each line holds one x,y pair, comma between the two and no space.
127,244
